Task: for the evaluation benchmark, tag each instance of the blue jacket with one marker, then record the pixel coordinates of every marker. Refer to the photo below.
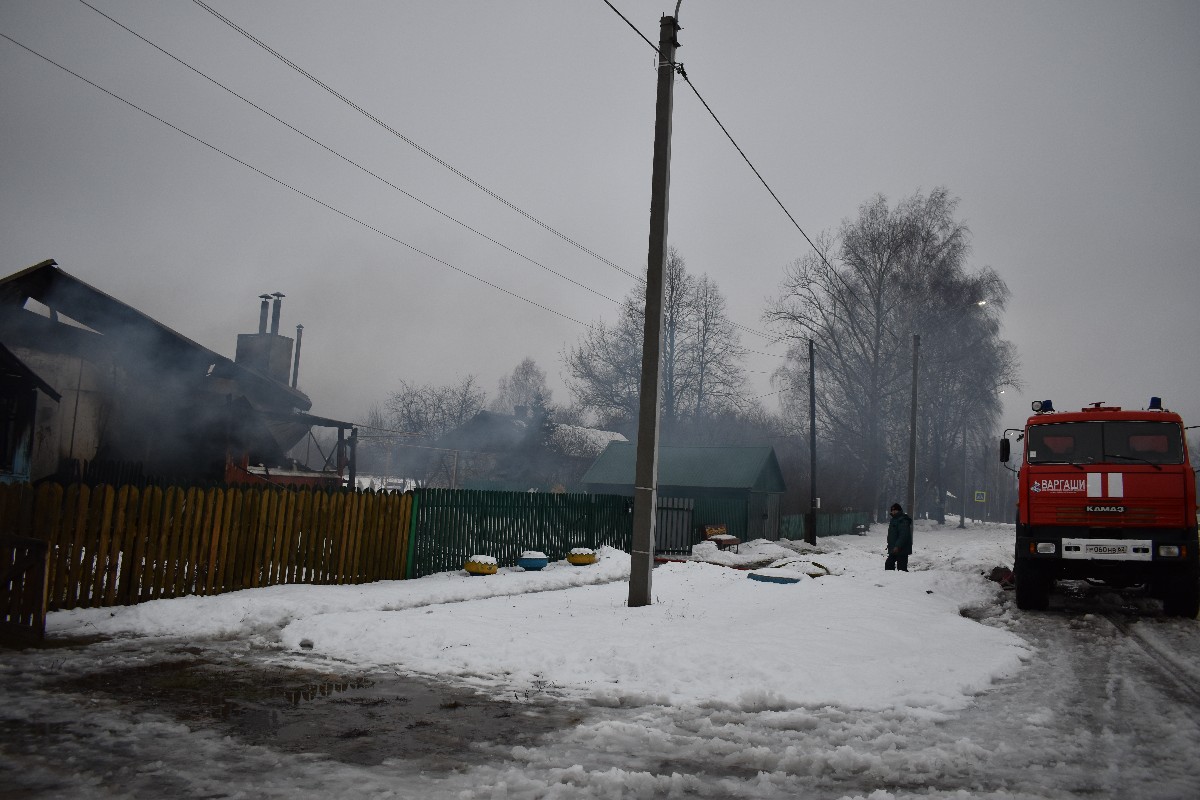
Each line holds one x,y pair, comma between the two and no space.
899,539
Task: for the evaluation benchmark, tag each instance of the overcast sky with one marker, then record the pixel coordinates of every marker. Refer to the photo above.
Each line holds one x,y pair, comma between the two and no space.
1067,129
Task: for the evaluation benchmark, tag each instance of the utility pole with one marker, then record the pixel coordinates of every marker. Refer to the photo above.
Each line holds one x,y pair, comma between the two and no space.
962,520
810,529
912,432
645,488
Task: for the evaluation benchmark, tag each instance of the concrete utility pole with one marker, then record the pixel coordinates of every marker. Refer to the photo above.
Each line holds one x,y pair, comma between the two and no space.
912,433
645,488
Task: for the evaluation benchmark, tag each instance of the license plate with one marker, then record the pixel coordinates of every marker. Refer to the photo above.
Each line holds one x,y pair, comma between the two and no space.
1107,549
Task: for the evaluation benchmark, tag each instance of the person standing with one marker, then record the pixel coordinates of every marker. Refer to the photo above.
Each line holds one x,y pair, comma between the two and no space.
899,539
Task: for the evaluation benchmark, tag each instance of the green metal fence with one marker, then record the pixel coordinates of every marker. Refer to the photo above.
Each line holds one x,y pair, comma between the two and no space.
833,523
716,511
450,525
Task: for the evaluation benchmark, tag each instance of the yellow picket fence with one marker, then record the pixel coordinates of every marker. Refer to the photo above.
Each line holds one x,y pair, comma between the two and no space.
117,546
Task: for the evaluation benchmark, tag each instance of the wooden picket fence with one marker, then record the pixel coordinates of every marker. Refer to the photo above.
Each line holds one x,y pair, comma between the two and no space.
111,546
22,588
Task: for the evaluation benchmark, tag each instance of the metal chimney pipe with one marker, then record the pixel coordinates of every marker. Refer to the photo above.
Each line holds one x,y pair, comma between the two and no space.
296,358
275,312
262,313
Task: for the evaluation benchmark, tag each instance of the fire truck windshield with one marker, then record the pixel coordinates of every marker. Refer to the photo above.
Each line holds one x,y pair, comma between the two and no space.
1126,442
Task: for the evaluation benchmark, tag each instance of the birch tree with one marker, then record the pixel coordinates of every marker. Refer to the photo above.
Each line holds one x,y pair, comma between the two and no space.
890,273
701,370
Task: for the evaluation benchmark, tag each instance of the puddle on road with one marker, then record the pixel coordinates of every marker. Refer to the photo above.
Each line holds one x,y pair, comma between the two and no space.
354,719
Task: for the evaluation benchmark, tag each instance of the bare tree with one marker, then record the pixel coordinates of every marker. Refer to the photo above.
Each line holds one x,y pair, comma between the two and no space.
524,388
432,410
890,273
426,412
701,358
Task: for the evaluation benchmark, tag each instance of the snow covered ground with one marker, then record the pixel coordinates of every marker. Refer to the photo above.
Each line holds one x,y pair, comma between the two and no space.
858,684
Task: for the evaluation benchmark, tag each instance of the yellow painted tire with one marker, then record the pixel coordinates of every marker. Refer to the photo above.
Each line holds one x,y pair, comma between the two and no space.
477,568
581,559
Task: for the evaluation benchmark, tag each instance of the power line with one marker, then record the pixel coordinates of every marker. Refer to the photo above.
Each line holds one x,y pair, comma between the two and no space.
349,161
678,66
409,141
300,192
297,68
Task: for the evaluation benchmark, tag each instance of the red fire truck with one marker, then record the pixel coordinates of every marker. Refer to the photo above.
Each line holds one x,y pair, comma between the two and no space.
1106,495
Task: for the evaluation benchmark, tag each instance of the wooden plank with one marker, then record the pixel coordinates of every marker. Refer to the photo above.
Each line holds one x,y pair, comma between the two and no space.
374,537
148,521
274,538
266,537
23,586
215,527
368,555
389,533
243,563
99,530
75,504
240,528
167,569
366,539
191,548
150,528
48,522
279,537
328,536
281,557
350,568
339,533
115,556
298,567
211,508
304,533
255,553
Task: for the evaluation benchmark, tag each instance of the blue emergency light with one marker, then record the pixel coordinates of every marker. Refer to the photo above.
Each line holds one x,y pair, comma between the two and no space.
1040,406
1156,404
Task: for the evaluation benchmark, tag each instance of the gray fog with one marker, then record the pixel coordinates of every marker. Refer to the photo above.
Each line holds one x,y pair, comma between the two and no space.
1067,129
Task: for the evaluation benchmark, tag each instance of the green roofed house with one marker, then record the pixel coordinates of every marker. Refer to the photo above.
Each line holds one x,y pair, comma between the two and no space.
739,487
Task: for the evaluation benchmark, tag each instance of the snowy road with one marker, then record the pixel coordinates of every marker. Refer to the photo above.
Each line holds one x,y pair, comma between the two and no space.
1105,705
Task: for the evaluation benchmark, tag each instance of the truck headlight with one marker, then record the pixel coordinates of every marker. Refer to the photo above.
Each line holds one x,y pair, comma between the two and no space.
1045,547
1168,550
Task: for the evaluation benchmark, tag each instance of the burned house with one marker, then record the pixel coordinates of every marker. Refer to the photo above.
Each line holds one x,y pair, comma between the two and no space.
108,393
19,390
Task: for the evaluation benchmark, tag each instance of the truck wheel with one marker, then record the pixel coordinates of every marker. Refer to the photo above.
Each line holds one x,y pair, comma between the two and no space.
1032,588
1182,598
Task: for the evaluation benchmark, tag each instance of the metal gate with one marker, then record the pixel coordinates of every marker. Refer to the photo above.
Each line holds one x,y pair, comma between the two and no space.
673,529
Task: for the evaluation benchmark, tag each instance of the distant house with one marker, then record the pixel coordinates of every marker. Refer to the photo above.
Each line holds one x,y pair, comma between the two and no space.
739,487
108,393
517,452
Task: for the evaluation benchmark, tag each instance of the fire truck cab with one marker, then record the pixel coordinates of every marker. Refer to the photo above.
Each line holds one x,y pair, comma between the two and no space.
1106,495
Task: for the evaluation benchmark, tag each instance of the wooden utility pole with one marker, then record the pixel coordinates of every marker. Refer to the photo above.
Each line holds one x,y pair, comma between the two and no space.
645,488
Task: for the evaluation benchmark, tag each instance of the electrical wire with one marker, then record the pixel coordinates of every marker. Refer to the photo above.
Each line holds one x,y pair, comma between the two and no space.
285,185
349,161
678,67
300,70
409,141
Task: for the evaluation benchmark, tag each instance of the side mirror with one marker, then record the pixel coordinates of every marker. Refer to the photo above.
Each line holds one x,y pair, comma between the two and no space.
1004,451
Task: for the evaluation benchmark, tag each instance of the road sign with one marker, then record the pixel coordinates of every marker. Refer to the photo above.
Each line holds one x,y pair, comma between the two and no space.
981,497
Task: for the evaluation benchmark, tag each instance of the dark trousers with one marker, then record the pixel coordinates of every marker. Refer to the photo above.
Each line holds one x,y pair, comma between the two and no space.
899,562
